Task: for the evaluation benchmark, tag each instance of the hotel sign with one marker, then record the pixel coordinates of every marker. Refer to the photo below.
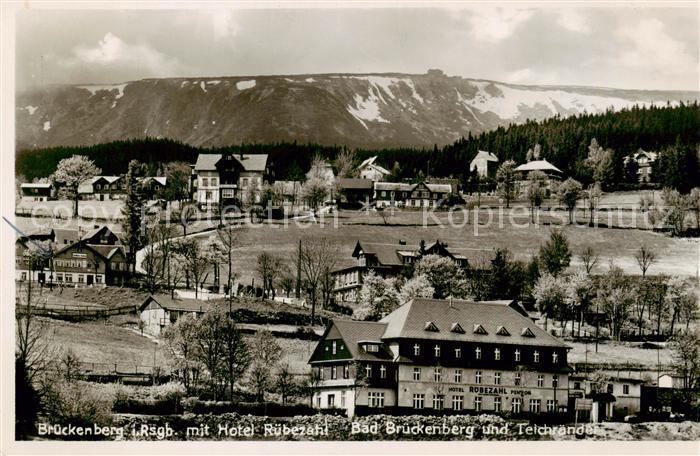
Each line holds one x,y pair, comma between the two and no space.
496,391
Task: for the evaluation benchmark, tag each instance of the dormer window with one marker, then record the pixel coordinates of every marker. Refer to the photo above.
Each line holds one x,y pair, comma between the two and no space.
501,331
416,350
497,354
517,354
536,356
437,350
457,328
478,329
527,332
430,326
334,349
555,357
372,348
477,352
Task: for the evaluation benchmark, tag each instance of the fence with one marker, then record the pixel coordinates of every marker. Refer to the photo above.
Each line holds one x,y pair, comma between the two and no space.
75,312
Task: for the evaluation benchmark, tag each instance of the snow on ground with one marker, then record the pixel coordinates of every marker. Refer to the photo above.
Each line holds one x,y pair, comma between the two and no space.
31,109
184,83
47,125
94,88
508,106
203,86
366,109
463,102
410,84
242,85
214,82
310,80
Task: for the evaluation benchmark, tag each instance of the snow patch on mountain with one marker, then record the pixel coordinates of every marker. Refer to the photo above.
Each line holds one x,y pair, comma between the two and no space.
382,83
31,109
94,88
366,109
203,86
214,82
47,125
242,85
309,80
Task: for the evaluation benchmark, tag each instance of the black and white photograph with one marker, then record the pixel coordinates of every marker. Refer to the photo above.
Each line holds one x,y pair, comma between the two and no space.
351,226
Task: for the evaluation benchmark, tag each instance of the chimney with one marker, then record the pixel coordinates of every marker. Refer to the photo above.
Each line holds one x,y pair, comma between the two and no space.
402,242
450,301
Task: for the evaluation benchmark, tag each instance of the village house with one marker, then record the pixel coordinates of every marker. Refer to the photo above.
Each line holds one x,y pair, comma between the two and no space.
442,356
77,258
549,170
103,188
370,170
37,191
153,186
420,195
644,161
229,179
353,192
617,398
386,260
161,310
484,164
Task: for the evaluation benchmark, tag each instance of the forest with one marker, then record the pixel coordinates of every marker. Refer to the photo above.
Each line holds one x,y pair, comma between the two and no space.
672,131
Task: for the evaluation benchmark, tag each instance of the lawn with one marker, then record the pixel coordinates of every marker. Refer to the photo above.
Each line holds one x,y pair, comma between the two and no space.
618,353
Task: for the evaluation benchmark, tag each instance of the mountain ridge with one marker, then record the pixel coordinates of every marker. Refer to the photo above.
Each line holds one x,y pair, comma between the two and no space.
357,110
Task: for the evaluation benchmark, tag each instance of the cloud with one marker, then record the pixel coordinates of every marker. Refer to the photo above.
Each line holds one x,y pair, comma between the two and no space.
224,25
571,19
496,24
113,51
648,45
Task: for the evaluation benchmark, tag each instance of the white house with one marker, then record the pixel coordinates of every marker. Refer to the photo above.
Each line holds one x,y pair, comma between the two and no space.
229,178
482,162
159,311
369,169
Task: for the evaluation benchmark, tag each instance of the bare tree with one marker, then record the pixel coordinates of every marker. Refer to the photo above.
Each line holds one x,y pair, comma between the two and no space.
686,364
197,261
229,237
589,258
317,257
268,268
285,385
645,257
265,353
181,340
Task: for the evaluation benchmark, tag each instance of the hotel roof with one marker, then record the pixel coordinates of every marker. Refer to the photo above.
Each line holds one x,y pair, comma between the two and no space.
250,162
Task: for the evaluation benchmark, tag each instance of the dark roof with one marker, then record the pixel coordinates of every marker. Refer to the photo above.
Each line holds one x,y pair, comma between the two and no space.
107,251
353,332
168,303
408,321
66,234
250,162
354,184
387,254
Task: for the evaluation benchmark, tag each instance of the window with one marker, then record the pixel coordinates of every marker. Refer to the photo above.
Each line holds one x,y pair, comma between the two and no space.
437,374
458,375
540,380
213,182
416,350
625,389
535,405
372,348
331,400
207,196
497,378
536,356
477,378
318,401
418,400
59,276
375,399
69,277
610,388
437,351
517,354
477,403
342,399
555,357
321,373
24,276
334,372
457,402
577,385
496,404
439,401
334,348
516,405
416,374
205,182
382,371
496,354
458,352
368,371
555,381
346,371
81,278
551,405
477,352
517,378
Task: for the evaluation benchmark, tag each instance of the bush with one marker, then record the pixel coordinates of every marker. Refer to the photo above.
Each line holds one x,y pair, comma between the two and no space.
78,404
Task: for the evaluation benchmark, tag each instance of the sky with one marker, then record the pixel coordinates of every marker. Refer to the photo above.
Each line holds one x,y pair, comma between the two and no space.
623,47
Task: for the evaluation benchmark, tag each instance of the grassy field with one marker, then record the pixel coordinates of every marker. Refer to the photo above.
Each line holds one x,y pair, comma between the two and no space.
617,353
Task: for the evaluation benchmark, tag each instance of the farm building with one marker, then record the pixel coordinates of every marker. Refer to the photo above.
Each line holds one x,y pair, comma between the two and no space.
353,192
38,191
161,310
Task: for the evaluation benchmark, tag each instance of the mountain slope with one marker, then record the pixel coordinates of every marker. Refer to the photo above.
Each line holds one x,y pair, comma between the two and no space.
370,110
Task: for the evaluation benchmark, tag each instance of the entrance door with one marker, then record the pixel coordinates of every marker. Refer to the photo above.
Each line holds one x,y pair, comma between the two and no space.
102,197
90,279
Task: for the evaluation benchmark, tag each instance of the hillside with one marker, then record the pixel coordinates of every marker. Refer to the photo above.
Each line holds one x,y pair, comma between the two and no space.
359,110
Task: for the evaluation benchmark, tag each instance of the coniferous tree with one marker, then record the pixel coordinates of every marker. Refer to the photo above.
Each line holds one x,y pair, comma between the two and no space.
133,211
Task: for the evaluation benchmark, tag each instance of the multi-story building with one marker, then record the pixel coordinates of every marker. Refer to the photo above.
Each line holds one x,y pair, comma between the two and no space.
37,191
442,356
386,260
103,188
77,258
644,161
484,163
420,195
370,170
613,398
229,179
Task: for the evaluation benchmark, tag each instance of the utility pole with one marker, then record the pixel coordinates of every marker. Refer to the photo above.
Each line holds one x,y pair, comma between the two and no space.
298,287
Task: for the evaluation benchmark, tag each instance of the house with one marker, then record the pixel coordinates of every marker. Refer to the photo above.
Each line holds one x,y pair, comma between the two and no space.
38,191
643,161
549,170
418,195
78,257
484,164
103,188
353,192
229,179
370,170
386,260
153,186
441,356
617,398
161,310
